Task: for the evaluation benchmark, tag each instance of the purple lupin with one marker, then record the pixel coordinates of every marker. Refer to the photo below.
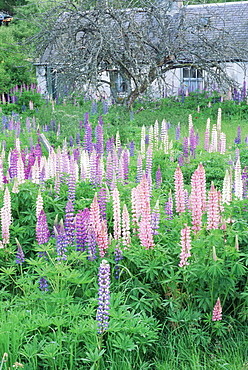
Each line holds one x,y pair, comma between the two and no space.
158,178
125,165
61,242
102,199
81,224
102,315
69,221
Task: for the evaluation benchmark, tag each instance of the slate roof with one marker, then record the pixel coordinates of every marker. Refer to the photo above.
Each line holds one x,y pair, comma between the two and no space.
218,31
220,23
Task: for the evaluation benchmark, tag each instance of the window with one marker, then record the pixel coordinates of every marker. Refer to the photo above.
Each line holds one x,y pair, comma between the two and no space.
192,78
121,84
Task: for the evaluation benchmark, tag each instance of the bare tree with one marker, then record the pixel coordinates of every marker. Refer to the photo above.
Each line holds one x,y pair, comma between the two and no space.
140,40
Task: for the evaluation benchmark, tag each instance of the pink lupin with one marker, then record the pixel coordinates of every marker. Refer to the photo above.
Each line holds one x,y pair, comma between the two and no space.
185,246
213,209
217,311
179,190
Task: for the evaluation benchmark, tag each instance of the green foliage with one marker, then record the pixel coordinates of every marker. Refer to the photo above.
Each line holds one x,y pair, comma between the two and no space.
160,313
15,67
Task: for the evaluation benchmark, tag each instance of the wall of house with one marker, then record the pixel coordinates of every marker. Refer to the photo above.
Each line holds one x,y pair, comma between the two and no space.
238,73
171,85
42,79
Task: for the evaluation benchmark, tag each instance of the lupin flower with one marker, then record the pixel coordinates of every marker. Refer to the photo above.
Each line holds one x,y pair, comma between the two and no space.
61,242
20,257
145,228
222,143
91,243
213,209
125,227
131,148
120,174
42,231
185,246
93,168
95,219
117,142
1,173
72,183
198,197
156,134
158,178
142,141
244,180
88,138
102,315
169,207
117,214
238,184
102,239
227,188
155,219
237,139
39,204
109,169
99,139
192,142
6,216
102,200
43,284
217,311
125,165
179,190
214,140
81,224
206,140
150,137
13,159
69,221
186,148
118,256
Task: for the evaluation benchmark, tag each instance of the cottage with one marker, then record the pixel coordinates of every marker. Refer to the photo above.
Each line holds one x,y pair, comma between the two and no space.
215,34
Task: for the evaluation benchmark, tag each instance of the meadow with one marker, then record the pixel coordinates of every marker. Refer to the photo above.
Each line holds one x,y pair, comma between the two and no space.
124,239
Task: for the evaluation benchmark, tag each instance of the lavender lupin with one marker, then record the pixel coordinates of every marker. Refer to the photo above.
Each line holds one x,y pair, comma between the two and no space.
20,257
91,243
178,131
102,315
102,200
169,207
61,242
99,139
42,231
43,284
158,178
82,222
69,221
118,257
237,140
125,165
131,148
